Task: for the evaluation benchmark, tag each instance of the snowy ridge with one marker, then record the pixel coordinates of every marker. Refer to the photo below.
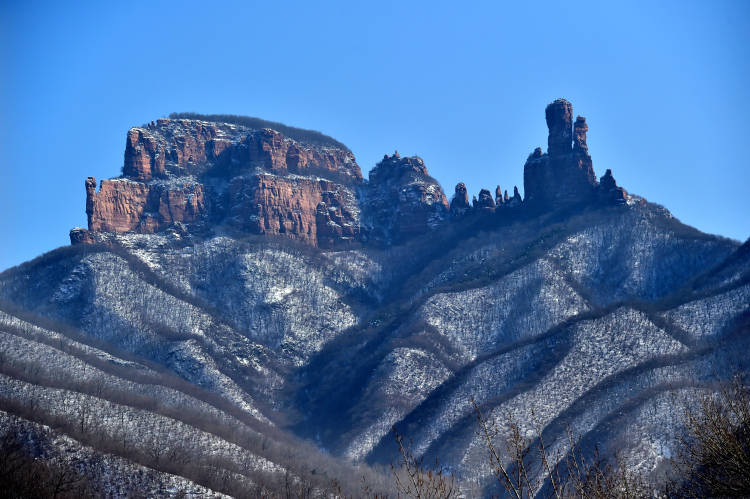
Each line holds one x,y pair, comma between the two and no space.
580,319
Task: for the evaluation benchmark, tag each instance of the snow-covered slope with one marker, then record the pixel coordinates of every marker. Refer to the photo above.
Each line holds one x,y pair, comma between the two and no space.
209,346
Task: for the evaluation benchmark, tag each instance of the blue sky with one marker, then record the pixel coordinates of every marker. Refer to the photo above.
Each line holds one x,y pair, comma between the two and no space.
663,86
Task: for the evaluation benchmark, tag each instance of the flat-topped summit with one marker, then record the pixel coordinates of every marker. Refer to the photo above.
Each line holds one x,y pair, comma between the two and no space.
182,146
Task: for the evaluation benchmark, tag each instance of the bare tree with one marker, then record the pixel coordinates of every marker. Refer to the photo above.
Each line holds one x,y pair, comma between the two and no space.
527,471
416,482
713,454
518,469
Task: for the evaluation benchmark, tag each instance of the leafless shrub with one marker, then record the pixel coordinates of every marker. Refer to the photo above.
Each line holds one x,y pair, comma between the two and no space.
22,475
527,468
416,482
713,452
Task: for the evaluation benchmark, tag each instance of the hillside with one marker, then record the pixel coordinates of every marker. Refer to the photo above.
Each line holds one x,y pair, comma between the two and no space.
245,311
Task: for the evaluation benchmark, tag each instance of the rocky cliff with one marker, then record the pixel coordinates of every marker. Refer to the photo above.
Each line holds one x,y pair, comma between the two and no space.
123,205
179,147
565,174
310,210
402,200
261,182
191,175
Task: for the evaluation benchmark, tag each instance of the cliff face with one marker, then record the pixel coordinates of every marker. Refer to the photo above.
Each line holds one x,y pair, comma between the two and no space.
184,173
314,211
180,147
125,206
402,200
271,183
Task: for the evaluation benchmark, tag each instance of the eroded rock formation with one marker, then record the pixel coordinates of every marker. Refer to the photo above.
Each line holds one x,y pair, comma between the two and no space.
79,235
181,147
184,175
609,193
402,199
123,205
499,196
516,199
565,174
460,202
262,182
485,203
313,211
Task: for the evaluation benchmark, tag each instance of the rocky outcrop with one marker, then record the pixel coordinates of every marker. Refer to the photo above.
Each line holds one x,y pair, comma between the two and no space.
402,200
182,147
460,202
313,211
485,203
122,205
144,155
274,188
499,196
559,117
180,173
580,179
609,193
79,235
516,199
565,174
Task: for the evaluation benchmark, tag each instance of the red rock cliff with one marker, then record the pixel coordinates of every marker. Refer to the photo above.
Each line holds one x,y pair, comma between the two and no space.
125,206
314,211
164,159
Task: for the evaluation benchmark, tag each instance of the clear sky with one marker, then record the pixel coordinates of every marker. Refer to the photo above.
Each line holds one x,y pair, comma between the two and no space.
663,85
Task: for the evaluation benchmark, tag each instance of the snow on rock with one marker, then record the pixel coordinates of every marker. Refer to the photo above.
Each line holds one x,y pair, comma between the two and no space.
521,305
403,380
707,318
600,348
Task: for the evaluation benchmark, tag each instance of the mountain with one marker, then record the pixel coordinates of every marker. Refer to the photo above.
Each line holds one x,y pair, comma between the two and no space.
245,310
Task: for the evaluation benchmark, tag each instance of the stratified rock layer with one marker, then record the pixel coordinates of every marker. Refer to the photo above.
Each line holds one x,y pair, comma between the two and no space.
181,147
309,210
125,206
269,182
181,173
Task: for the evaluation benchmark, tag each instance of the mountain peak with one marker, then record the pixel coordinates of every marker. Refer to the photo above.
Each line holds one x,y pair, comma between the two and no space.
201,174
